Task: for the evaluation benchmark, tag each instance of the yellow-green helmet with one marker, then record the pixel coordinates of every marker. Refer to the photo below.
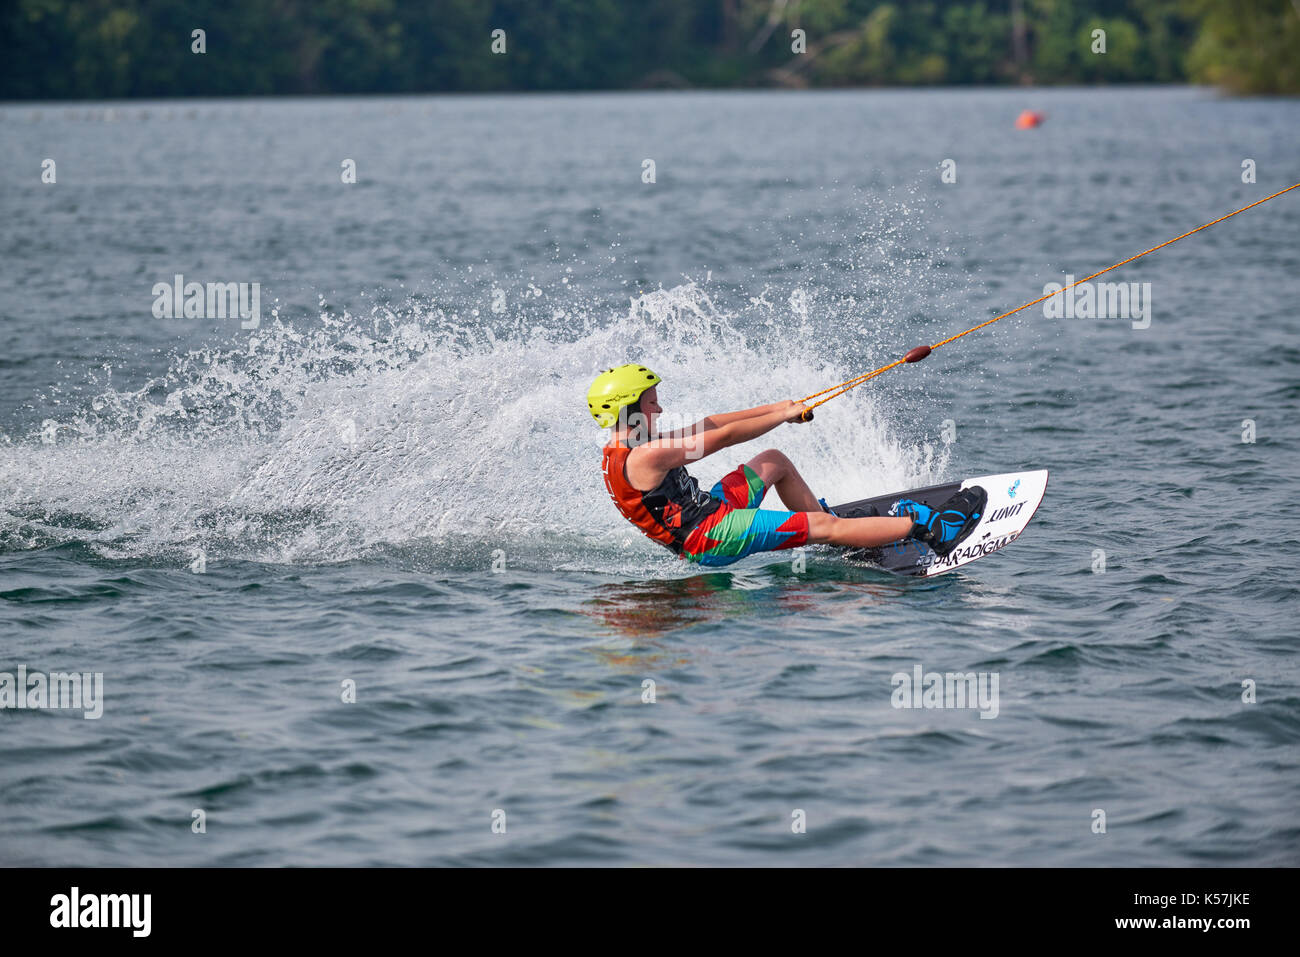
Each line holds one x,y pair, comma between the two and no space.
616,388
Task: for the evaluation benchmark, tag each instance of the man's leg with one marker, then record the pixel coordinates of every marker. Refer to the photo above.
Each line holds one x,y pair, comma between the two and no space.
824,529
778,472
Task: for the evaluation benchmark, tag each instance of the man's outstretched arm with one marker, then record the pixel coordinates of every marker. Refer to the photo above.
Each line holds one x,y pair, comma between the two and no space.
656,457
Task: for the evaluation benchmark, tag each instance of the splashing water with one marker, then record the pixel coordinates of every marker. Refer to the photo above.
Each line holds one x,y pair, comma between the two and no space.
419,430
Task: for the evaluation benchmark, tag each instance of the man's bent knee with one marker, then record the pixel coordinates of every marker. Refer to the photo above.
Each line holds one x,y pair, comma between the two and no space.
774,459
821,528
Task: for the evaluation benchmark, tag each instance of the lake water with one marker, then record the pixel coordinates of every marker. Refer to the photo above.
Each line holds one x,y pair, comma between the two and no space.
392,482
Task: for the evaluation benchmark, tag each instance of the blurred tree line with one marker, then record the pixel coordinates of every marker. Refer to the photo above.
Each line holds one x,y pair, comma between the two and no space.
129,48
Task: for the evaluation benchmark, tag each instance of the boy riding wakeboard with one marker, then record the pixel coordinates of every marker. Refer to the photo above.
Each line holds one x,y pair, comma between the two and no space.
645,473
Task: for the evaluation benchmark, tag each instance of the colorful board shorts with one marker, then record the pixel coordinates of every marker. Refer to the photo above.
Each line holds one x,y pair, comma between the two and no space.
740,527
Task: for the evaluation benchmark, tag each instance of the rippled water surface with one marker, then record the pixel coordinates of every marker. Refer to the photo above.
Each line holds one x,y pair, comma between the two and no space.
393,482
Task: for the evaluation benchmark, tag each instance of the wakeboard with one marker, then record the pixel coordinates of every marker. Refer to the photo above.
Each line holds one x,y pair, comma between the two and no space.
1013,499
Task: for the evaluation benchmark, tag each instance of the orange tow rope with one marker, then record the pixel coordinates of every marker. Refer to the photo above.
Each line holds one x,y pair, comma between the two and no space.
920,352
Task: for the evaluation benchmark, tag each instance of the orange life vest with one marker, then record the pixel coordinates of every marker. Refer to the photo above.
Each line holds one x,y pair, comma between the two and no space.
668,512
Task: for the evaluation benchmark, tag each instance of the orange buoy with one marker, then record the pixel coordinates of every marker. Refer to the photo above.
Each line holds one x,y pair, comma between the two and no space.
1028,119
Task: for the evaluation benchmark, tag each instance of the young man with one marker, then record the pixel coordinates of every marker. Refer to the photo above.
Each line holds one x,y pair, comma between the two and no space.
646,477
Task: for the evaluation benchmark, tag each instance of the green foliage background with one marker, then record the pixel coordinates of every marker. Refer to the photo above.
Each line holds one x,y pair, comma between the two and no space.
130,48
